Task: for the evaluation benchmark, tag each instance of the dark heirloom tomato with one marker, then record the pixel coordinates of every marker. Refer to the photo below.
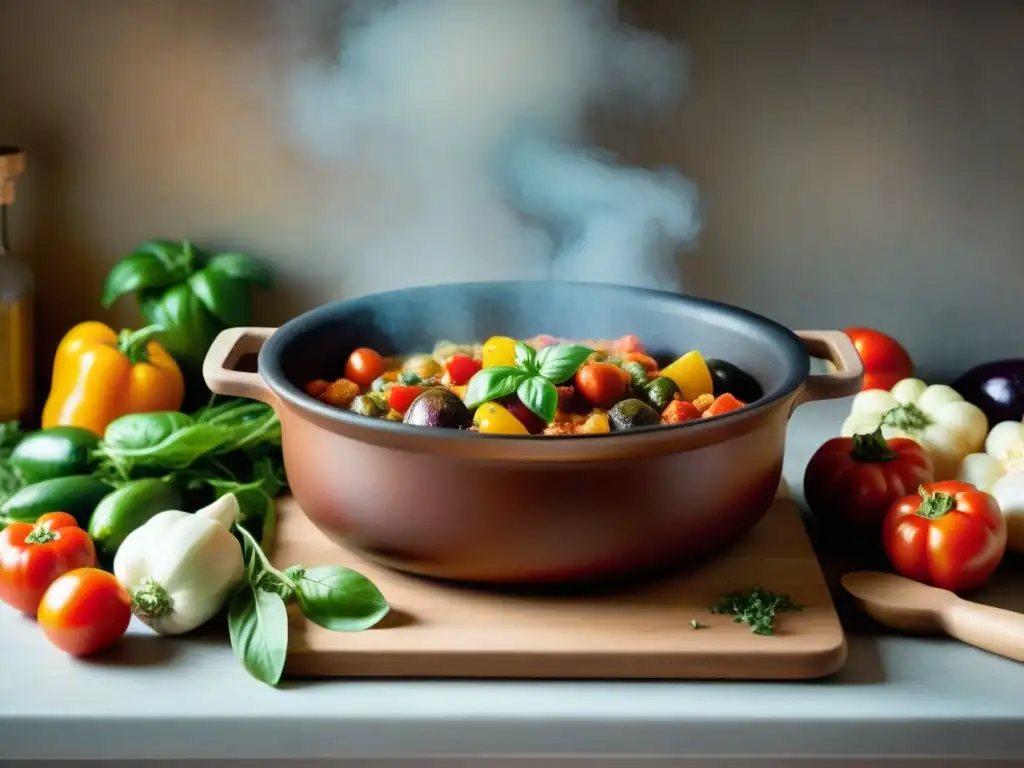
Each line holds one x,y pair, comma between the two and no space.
951,535
854,480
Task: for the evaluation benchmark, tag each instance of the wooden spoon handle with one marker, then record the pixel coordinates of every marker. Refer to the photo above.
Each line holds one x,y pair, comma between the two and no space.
991,629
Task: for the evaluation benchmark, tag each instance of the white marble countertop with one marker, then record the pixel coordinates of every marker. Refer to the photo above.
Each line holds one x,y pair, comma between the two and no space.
178,699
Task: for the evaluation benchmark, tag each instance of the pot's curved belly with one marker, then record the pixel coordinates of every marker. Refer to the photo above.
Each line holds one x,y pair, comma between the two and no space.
500,522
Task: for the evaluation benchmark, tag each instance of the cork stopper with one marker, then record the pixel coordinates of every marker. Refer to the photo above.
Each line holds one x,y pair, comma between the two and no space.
12,164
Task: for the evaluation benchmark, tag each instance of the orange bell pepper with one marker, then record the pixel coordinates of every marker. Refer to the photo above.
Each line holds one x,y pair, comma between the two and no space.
99,376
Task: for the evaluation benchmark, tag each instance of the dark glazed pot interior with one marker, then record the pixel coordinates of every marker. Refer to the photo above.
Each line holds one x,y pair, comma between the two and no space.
317,343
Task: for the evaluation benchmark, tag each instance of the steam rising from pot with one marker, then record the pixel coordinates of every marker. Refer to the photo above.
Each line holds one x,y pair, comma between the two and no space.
471,116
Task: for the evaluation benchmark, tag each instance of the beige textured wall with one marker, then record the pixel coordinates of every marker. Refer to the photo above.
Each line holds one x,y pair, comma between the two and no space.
862,162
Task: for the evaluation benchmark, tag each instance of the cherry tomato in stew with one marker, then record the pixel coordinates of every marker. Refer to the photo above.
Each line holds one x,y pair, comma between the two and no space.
602,384
400,397
32,556
363,366
84,611
951,536
461,368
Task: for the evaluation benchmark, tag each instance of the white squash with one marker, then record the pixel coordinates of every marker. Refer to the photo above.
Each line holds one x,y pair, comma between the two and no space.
935,416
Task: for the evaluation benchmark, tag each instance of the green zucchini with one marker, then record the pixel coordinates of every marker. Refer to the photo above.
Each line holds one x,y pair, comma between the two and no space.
122,511
55,452
77,495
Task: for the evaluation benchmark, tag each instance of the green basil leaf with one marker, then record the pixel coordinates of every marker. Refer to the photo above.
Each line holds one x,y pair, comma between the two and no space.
526,358
340,599
225,298
238,266
189,328
559,362
492,383
258,628
540,396
179,450
142,431
142,270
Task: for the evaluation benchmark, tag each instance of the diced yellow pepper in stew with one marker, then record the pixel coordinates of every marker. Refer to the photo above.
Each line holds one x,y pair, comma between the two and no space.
691,375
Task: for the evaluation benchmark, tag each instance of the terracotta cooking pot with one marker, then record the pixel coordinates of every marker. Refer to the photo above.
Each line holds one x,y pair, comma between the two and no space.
519,509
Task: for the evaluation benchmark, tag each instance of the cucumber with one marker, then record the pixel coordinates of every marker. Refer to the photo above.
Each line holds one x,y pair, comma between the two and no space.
77,495
55,452
130,506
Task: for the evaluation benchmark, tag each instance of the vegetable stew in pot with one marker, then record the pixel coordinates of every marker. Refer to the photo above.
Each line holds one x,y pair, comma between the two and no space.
540,386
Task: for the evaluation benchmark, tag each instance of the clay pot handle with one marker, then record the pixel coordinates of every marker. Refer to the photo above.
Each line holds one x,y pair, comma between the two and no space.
227,349
837,348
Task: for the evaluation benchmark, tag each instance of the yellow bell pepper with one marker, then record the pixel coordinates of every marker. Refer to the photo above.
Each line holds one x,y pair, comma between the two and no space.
691,375
99,376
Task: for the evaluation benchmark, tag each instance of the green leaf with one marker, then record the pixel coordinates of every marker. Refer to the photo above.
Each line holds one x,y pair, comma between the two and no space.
225,298
540,396
258,627
189,328
526,358
140,271
492,383
340,599
559,362
238,266
178,450
140,431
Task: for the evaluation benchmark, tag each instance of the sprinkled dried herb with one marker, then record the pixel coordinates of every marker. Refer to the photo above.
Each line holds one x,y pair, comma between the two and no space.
756,607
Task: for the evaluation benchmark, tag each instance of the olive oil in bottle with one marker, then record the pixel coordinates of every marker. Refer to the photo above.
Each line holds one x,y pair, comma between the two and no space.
16,300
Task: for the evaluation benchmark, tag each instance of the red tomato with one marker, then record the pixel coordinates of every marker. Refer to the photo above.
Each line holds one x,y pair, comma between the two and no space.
856,479
679,411
602,384
951,536
84,611
460,368
722,404
885,360
32,556
400,397
363,366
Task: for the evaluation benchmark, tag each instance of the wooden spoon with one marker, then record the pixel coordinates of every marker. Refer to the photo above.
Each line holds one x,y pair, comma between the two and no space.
910,606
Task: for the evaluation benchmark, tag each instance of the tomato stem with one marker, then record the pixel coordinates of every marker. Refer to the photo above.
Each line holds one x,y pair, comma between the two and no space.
935,505
41,534
906,416
151,601
872,448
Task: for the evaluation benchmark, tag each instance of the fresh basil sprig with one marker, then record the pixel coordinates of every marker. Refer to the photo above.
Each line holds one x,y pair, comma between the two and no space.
533,378
334,597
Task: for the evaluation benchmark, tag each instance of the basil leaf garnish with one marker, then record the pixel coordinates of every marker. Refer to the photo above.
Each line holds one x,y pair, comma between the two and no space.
258,628
540,396
339,598
526,358
492,383
559,362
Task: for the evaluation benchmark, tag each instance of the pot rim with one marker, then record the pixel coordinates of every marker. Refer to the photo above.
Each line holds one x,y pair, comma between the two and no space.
652,439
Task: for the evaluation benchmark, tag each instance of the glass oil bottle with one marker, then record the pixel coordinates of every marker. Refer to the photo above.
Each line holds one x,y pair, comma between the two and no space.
16,305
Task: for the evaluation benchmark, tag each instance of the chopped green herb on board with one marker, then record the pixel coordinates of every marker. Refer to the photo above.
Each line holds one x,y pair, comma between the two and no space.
697,625
756,607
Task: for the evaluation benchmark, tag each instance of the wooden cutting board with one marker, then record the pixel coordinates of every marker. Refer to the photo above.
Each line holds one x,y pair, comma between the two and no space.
643,632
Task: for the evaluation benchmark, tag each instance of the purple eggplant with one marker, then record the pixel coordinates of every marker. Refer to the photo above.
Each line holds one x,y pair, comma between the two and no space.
997,388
